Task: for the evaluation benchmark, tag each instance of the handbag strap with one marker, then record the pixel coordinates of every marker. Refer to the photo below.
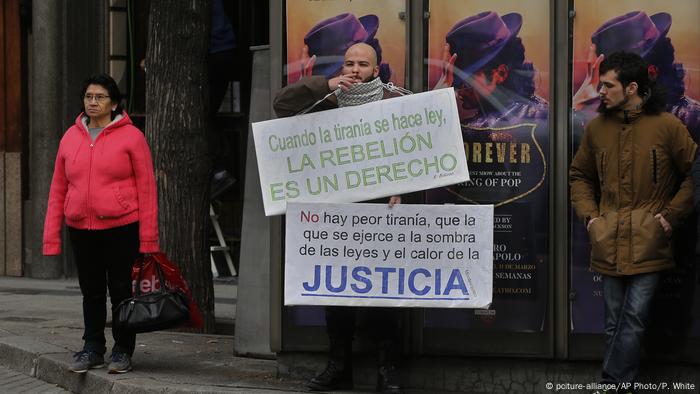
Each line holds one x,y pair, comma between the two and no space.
139,261
161,277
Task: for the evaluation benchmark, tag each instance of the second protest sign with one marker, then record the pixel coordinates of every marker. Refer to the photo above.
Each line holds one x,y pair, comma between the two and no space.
371,255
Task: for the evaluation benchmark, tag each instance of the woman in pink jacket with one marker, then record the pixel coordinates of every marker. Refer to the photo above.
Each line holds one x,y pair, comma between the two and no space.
104,189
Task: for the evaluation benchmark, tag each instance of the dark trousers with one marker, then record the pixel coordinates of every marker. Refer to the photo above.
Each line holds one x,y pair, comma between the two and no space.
104,259
382,326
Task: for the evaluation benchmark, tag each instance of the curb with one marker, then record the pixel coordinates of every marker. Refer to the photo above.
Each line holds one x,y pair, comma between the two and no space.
50,363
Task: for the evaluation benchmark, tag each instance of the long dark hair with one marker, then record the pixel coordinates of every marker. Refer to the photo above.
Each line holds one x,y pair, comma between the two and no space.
630,67
110,85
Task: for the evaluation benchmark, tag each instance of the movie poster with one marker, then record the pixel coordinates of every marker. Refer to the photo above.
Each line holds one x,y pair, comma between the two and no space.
496,56
320,31
665,34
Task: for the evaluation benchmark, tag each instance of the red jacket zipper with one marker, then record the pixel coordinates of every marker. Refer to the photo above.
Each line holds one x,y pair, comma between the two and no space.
92,144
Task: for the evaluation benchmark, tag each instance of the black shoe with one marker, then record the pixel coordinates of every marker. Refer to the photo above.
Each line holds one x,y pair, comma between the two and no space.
334,377
86,359
221,181
120,363
388,380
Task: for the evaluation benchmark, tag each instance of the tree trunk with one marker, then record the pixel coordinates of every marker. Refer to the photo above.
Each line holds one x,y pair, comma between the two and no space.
176,128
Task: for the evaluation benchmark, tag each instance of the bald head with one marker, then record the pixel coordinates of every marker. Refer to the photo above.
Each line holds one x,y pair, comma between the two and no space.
362,50
361,62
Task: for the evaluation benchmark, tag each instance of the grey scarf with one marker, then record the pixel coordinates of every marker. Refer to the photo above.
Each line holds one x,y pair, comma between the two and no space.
361,93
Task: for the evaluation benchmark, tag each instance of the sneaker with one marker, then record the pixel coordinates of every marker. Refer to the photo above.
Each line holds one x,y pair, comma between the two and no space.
120,363
86,359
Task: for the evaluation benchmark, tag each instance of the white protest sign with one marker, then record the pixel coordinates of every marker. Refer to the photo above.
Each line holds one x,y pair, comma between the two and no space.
437,256
350,154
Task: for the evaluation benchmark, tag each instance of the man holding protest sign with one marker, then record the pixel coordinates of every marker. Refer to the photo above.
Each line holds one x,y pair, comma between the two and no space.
357,84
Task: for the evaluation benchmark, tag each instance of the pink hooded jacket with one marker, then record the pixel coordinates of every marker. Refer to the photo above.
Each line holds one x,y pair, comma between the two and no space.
103,184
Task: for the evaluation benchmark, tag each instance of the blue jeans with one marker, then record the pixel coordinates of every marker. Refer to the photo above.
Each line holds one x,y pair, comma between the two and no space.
627,300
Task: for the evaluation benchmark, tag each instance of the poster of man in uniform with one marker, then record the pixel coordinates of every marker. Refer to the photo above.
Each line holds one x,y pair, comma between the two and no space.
319,33
495,55
665,34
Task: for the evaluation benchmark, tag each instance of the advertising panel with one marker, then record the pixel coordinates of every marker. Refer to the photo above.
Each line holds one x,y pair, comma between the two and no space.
492,53
665,34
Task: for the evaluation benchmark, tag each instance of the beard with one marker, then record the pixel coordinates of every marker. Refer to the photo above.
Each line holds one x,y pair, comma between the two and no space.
603,109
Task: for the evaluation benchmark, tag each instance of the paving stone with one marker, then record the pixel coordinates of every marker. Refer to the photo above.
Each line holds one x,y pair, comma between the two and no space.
13,382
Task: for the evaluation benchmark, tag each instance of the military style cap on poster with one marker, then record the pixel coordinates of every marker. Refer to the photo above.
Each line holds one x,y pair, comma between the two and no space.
632,32
478,39
331,38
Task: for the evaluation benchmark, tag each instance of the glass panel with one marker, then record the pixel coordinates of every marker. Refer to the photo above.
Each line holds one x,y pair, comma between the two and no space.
665,33
495,54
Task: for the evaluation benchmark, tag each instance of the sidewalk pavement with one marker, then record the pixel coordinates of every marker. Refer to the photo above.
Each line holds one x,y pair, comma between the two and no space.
41,327
16,382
